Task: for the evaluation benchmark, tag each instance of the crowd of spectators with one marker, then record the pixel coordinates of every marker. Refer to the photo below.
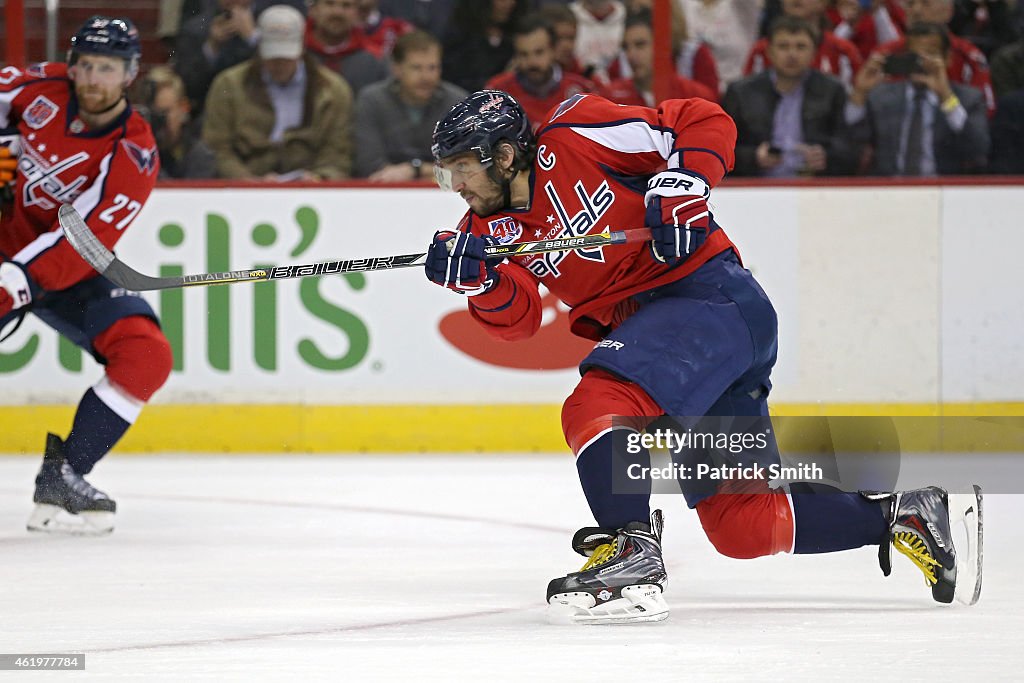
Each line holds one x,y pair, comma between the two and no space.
284,90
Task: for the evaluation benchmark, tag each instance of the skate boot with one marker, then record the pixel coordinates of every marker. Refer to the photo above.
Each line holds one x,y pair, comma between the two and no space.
65,502
622,581
942,534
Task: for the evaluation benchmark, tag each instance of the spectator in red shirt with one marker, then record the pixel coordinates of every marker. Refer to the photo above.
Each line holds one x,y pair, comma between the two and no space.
538,81
638,45
835,56
333,36
867,23
381,31
965,63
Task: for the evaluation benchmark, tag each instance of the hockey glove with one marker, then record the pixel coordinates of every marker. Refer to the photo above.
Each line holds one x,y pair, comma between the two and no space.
677,214
456,260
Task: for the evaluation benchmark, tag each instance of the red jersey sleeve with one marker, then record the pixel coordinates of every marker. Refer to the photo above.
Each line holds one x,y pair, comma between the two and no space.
127,175
512,310
694,134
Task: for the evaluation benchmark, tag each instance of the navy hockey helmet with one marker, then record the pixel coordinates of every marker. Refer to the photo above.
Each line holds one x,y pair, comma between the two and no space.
113,37
478,123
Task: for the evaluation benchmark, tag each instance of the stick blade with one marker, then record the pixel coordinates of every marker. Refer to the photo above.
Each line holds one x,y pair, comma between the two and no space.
82,240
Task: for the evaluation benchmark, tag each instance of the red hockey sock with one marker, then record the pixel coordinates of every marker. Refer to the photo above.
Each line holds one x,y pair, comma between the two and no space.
138,356
746,524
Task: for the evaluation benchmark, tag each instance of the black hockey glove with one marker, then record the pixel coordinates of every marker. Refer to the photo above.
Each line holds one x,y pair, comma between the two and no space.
456,260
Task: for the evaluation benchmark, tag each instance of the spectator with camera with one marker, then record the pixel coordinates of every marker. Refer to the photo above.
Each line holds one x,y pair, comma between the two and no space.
789,118
922,125
213,41
965,63
178,133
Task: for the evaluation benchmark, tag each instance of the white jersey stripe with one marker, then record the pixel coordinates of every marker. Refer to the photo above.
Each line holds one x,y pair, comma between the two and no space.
38,246
90,199
85,203
630,137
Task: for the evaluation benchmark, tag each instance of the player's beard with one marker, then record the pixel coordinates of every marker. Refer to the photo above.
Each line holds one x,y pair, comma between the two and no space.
490,203
97,100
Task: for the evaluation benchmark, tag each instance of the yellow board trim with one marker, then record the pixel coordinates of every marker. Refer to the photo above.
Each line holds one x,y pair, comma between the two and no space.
439,429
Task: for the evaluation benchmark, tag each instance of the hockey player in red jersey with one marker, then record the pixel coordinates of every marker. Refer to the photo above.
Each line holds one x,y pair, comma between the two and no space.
682,329
81,143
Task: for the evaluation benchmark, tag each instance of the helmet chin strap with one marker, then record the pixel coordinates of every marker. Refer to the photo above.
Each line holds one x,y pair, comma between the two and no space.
116,102
505,183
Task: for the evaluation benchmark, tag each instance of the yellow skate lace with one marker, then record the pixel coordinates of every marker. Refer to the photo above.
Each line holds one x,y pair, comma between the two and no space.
916,549
601,554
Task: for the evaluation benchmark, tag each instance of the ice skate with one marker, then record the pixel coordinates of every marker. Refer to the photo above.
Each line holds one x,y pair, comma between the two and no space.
65,502
622,581
941,533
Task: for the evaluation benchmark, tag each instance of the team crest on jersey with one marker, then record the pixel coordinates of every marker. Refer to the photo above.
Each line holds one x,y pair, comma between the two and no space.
506,230
594,205
144,158
39,113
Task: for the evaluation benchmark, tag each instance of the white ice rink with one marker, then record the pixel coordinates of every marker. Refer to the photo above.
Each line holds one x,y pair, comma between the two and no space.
352,568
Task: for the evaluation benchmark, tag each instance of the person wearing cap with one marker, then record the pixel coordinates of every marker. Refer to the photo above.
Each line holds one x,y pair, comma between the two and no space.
280,116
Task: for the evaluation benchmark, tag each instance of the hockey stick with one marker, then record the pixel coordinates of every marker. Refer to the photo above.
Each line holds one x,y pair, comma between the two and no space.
103,260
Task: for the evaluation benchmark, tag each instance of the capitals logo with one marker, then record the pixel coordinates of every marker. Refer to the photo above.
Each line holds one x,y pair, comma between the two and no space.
505,230
39,113
144,158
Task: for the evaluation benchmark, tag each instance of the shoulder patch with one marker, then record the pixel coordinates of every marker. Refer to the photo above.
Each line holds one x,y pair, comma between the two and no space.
144,158
568,104
39,113
506,230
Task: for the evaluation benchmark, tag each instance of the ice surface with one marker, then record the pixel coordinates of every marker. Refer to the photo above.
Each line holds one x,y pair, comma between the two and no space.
423,568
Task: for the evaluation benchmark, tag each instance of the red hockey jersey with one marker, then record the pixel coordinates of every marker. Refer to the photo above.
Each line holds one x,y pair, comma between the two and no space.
383,33
593,161
106,174
538,106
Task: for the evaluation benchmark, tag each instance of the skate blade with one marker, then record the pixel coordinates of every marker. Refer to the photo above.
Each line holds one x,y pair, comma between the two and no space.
966,524
52,519
639,604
